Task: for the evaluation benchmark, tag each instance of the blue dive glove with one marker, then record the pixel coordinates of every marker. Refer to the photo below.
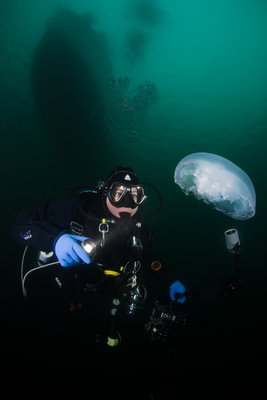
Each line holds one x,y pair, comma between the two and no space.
177,288
69,251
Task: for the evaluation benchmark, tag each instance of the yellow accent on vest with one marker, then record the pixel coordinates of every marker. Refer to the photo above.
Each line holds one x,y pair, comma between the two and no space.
110,272
112,342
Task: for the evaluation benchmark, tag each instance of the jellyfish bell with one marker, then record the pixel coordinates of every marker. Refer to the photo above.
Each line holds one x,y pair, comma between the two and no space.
219,182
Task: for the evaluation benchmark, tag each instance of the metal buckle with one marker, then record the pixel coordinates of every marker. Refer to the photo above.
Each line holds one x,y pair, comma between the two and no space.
103,229
76,228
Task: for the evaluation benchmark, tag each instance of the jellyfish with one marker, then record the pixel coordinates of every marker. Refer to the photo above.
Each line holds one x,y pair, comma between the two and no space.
218,182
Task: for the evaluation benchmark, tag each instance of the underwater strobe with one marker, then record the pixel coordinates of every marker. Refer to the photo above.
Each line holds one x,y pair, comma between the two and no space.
232,240
233,246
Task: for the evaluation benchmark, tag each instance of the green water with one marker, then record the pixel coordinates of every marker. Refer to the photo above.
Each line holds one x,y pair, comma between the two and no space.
208,61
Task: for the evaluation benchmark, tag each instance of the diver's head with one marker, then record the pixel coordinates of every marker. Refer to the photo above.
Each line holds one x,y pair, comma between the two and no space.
122,192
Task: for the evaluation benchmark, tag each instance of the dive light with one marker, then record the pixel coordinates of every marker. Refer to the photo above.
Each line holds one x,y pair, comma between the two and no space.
89,246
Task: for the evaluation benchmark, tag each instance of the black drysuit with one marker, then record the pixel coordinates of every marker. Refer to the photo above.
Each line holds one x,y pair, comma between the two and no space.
128,238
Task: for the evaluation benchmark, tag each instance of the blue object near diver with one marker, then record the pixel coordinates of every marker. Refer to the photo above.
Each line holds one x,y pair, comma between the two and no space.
69,251
176,290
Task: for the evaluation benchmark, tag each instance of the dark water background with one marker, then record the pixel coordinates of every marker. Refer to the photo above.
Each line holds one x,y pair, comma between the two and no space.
193,78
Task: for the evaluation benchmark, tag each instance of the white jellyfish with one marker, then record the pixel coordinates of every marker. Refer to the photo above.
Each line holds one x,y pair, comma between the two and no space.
219,182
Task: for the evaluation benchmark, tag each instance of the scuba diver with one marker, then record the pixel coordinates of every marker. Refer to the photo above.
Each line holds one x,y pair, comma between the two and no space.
100,243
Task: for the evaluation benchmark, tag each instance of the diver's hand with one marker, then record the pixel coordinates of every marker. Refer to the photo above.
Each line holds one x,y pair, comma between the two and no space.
69,251
177,288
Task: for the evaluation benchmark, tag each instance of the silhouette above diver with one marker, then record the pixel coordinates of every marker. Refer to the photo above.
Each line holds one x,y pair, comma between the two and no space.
78,97
70,74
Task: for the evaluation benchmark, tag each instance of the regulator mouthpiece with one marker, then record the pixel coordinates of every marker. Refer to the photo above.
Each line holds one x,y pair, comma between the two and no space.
231,239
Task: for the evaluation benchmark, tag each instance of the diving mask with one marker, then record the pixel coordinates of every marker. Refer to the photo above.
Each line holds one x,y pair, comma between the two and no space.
121,195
